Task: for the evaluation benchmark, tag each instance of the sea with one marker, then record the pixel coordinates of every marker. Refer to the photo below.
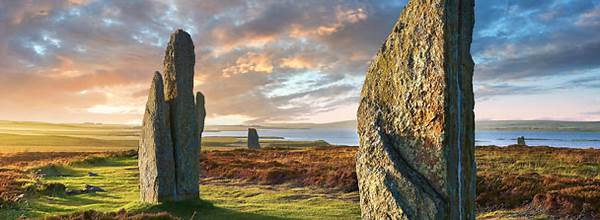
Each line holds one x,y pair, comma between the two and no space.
348,136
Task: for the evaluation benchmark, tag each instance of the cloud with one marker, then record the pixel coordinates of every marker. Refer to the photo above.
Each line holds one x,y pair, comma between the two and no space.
590,82
297,62
590,19
343,17
486,91
250,62
543,43
554,59
594,113
267,60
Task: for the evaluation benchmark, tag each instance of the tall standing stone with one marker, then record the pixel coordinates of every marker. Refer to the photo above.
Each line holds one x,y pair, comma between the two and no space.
253,139
415,119
178,67
200,116
156,164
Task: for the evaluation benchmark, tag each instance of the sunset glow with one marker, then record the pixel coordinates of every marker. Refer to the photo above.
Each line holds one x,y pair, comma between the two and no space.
281,61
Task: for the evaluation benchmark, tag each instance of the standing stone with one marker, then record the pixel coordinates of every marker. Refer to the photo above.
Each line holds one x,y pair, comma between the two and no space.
416,120
521,140
156,163
178,67
253,139
200,116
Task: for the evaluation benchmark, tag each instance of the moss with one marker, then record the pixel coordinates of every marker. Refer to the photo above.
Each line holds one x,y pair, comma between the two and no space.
52,189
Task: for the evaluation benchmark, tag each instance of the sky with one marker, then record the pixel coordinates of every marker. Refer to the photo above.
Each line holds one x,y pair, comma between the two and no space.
263,61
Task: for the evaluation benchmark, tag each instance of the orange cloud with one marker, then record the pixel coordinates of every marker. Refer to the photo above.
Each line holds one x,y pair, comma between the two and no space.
101,71
343,17
228,40
251,62
297,62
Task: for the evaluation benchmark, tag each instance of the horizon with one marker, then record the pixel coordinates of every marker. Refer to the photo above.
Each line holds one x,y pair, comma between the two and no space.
281,62
287,109
272,124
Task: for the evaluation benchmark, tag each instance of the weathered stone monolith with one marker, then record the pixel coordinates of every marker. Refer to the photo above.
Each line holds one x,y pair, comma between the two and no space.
416,120
521,140
178,67
156,162
253,139
200,116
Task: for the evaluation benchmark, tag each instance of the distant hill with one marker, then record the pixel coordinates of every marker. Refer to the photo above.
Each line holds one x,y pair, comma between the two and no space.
505,125
538,125
501,125
337,124
6,124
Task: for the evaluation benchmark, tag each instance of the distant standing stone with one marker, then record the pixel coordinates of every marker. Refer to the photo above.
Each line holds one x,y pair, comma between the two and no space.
178,66
521,140
253,139
155,153
415,119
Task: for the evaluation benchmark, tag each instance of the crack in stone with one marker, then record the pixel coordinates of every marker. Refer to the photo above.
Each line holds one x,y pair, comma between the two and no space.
415,177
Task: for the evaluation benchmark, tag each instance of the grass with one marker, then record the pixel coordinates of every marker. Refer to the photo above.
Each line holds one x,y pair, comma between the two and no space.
119,177
86,137
284,180
283,202
325,167
218,142
275,183
559,181
562,162
14,142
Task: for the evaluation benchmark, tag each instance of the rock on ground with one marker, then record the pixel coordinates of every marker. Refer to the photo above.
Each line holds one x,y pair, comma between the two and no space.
415,119
178,67
253,139
156,162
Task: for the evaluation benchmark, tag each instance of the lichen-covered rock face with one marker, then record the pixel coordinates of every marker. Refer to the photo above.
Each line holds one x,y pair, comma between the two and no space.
178,67
170,143
415,119
200,116
253,139
156,164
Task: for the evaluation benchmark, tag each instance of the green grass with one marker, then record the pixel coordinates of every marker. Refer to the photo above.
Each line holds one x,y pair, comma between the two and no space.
47,137
11,140
29,125
294,203
119,177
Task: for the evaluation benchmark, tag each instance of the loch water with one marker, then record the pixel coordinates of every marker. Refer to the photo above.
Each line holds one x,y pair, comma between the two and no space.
348,136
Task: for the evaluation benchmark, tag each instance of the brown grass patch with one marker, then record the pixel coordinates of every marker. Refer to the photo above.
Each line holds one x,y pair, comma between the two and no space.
328,167
558,181
564,183
120,215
